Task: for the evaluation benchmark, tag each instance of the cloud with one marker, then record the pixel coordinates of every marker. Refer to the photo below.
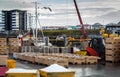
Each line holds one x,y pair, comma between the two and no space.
110,17
15,4
63,11
90,11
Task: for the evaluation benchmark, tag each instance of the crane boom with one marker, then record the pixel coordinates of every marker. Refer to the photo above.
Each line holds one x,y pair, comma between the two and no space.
80,20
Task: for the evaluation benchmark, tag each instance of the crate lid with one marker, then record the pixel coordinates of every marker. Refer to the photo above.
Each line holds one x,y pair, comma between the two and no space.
55,68
20,70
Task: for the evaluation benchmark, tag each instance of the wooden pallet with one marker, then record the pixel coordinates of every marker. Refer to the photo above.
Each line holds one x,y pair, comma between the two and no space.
91,60
14,49
60,61
112,58
112,46
30,58
113,42
38,59
21,56
3,53
3,45
13,41
3,48
79,60
3,40
112,39
112,52
41,60
70,59
3,59
114,49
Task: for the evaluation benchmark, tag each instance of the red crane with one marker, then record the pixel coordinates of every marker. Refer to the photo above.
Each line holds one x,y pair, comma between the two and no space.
80,20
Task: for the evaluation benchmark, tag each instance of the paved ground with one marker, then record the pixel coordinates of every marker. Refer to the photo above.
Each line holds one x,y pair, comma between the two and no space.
98,70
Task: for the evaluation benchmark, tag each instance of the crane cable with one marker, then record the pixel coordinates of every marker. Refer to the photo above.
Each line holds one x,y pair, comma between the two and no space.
40,28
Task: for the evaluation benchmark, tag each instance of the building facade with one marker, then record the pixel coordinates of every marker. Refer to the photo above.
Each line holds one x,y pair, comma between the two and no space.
2,21
13,20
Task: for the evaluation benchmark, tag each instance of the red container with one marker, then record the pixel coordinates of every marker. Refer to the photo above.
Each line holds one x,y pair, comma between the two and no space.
3,70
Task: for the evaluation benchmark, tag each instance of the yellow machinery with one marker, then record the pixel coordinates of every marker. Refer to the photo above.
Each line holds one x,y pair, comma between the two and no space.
79,43
106,35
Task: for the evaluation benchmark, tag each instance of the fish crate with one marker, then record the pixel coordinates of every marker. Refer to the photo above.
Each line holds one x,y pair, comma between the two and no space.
113,40
112,46
91,59
70,59
46,54
64,49
3,59
56,71
54,49
112,52
110,58
17,72
62,62
46,49
13,39
14,49
14,44
59,61
3,45
79,60
3,50
2,40
25,57
21,56
39,54
45,60
31,58
2,53
84,45
55,55
40,59
113,49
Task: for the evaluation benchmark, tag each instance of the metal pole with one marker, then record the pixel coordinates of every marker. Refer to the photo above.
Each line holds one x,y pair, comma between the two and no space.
36,20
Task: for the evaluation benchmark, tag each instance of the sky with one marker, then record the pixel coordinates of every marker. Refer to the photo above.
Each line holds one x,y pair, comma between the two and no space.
64,13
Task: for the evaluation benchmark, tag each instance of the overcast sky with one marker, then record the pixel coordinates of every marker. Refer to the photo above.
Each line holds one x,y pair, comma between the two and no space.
64,13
